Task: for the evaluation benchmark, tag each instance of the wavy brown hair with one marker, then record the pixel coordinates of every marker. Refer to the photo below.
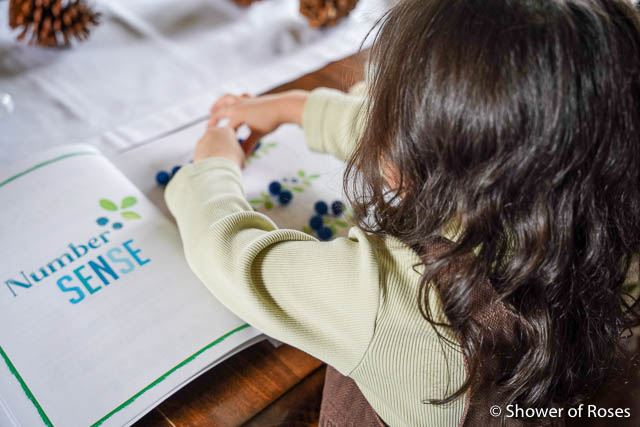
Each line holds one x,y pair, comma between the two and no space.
516,122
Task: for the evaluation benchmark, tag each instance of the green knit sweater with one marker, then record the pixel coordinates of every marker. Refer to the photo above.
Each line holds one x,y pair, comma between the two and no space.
351,302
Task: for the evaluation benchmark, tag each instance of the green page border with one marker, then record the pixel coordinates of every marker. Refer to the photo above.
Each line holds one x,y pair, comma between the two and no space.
47,162
129,401
17,375
169,372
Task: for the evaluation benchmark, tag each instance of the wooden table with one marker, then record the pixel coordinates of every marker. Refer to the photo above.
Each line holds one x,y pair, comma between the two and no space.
262,385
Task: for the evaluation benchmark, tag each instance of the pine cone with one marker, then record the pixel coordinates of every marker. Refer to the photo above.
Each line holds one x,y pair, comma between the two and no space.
244,3
50,23
325,12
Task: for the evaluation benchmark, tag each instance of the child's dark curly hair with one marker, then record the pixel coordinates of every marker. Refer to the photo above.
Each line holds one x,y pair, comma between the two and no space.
518,123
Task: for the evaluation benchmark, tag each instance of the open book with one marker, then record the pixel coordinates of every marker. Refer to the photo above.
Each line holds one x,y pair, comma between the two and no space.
101,317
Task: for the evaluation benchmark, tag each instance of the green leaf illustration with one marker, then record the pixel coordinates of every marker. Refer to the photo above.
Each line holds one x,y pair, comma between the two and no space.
264,195
314,176
298,189
301,173
128,202
255,201
268,205
307,229
108,205
271,144
307,183
130,215
342,224
333,229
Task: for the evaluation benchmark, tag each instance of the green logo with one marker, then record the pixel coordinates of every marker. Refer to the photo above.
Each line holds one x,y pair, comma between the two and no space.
125,211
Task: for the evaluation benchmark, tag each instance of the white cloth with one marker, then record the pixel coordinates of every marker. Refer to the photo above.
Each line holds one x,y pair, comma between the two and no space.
153,66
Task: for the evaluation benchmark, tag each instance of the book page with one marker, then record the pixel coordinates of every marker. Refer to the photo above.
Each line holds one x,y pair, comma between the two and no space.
101,316
282,156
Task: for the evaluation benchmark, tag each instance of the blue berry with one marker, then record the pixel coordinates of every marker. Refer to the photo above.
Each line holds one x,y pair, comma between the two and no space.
321,207
175,169
285,197
337,207
294,179
325,234
316,222
163,177
102,221
275,187
117,225
258,145
240,140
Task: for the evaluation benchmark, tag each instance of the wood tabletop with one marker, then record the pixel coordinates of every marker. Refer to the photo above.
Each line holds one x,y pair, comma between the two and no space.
262,385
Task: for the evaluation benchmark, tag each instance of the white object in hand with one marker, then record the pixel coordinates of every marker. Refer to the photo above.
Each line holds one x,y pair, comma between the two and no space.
6,105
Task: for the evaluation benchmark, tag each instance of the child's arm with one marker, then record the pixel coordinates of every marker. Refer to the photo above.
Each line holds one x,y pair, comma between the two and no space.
320,297
329,117
332,123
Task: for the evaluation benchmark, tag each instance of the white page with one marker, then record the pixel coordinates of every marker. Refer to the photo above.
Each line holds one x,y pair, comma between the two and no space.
97,352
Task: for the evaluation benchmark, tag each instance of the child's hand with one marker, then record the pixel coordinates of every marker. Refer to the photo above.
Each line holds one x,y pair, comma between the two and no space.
262,114
219,142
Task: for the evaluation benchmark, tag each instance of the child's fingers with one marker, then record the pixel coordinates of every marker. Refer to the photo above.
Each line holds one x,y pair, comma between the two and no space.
249,145
220,113
225,100
234,113
235,122
214,118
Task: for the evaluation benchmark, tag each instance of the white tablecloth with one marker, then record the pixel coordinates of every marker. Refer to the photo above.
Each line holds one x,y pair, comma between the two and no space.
153,66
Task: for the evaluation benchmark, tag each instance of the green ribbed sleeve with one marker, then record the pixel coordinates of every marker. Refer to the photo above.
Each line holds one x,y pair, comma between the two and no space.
332,122
320,297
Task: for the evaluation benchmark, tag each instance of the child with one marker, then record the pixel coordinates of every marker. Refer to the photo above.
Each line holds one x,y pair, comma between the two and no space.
494,169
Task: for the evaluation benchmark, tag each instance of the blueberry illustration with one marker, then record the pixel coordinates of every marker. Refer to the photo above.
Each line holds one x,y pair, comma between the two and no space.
294,179
285,197
102,221
175,169
258,145
321,207
337,207
275,187
117,225
325,234
316,222
163,177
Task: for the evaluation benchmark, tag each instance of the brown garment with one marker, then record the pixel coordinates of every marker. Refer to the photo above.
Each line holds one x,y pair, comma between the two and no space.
343,404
